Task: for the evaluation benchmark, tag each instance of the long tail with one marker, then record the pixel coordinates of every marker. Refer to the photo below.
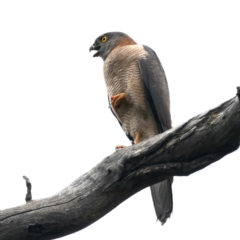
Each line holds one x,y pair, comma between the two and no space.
162,199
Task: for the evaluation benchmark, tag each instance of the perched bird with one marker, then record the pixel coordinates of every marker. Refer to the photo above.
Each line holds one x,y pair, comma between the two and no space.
139,98
28,197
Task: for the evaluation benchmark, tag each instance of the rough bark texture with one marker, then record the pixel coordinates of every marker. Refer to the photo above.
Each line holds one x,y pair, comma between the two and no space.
180,151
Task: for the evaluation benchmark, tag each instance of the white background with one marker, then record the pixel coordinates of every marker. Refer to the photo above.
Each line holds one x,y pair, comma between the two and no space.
54,119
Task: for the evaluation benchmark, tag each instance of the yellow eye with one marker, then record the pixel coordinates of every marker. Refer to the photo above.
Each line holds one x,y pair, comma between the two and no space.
104,39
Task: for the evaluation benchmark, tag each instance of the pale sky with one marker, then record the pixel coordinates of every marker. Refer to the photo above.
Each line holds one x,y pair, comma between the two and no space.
55,123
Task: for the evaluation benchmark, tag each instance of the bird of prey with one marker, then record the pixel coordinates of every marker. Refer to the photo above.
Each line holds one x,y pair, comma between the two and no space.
139,98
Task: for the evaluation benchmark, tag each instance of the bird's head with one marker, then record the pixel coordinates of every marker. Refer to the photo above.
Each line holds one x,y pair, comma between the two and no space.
105,43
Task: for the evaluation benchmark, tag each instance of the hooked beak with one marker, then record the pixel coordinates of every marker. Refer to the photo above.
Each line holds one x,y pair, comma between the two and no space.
96,48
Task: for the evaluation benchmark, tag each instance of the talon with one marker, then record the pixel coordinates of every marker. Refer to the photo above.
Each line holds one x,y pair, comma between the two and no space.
117,100
119,147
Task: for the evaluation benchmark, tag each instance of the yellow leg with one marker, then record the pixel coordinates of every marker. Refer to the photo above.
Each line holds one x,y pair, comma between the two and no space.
118,100
137,138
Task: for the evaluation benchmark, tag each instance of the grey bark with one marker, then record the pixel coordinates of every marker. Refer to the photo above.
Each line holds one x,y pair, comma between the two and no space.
180,151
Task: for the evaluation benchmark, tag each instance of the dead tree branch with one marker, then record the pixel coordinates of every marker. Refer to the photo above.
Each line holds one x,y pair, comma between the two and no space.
180,151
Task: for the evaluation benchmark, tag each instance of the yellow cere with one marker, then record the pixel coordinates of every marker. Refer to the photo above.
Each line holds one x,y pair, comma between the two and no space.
104,39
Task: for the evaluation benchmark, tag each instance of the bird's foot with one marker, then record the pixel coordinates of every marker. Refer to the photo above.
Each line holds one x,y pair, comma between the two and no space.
119,147
118,100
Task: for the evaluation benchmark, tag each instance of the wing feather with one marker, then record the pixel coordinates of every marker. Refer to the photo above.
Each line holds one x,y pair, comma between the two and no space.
157,94
156,89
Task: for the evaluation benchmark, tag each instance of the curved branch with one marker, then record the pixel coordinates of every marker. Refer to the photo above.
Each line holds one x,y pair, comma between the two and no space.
180,151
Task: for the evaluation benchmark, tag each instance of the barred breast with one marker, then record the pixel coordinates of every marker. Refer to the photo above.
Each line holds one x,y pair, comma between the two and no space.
122,75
